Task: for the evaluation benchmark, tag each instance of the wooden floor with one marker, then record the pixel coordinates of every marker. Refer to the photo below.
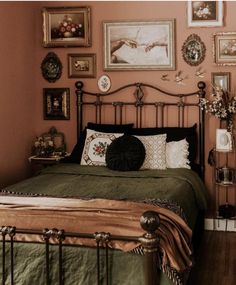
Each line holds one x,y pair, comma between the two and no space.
216,260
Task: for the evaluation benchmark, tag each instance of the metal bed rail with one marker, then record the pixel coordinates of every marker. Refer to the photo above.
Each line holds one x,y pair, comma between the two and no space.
149,221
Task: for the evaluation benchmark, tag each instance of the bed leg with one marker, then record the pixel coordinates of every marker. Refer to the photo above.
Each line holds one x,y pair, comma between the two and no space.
150,222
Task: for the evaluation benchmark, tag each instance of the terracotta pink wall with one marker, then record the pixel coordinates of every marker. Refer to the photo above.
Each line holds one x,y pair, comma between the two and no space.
17,95
22,53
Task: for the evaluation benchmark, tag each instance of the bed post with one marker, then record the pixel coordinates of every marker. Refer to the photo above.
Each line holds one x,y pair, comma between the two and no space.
201,86
79,102
150,222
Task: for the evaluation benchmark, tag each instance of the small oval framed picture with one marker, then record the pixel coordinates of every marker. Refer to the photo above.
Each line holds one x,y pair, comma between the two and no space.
104,83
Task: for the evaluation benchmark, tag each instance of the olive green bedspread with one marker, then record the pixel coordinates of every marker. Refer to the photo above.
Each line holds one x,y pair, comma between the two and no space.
181,186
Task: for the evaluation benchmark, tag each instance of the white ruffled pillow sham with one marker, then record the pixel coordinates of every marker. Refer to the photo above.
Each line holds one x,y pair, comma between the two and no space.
177,154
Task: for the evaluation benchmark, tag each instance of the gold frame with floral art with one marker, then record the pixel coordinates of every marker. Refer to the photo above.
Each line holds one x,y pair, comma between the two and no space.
66,26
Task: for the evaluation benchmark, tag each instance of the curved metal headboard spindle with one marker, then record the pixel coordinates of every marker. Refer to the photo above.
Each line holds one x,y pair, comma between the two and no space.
139,103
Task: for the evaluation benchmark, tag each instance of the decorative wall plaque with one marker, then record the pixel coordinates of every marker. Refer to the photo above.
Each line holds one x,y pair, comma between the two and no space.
51,67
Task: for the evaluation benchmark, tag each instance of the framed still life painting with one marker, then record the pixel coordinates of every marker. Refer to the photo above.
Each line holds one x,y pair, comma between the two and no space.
205,13
63,27
225,48
142,45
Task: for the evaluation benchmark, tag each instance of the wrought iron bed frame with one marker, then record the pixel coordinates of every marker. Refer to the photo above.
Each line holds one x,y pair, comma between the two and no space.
149,220
138,103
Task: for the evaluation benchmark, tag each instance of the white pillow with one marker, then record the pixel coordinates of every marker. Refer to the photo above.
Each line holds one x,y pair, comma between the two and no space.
155,147
177,154
95,147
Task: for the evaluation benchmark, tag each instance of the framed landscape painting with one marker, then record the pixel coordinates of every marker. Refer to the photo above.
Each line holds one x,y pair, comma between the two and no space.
66,26
205,13
140,45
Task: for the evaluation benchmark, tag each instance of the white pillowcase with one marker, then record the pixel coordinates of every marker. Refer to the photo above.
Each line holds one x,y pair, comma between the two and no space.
95,147
177,154
155,147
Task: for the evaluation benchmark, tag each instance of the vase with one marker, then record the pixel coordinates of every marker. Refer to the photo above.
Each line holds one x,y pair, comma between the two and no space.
68,35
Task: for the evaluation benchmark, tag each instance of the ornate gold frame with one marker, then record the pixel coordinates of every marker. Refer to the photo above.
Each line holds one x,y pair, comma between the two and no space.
193,50
66,34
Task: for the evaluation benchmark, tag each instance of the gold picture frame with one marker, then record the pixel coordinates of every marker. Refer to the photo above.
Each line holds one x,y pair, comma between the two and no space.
56,103
139,45
224,48
82,65
193,50
66,26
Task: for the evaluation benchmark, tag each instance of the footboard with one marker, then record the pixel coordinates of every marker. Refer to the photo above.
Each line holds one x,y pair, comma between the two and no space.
149,222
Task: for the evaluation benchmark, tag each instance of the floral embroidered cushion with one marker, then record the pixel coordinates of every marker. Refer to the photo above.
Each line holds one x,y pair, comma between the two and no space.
155,147
177,154
96,143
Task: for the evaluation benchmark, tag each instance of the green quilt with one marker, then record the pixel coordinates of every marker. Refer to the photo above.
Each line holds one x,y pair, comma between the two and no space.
181,186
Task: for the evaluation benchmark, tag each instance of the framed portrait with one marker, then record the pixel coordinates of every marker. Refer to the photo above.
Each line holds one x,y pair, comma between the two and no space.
205,13
221,79
223,140
81,65
140,45
224,47
63,27
56,103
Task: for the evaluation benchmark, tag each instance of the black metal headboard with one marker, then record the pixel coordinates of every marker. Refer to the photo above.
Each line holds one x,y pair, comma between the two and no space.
178,101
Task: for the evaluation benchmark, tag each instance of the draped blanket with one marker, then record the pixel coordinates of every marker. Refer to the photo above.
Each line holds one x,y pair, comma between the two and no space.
99,215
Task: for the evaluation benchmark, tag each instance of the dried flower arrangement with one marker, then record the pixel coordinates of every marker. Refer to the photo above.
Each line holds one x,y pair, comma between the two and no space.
222,106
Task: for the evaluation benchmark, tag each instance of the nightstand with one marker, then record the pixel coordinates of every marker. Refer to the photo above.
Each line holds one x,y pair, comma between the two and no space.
38,163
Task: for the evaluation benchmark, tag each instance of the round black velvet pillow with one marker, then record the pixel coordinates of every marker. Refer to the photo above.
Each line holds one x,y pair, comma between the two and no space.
125,153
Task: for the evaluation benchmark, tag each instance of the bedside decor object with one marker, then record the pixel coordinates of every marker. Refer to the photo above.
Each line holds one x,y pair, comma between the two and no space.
140,45
50,144
223,140
43,148
225,175
193,50
66,26
82,65
51,67
224,48
56,103
205,13
227,211
104,83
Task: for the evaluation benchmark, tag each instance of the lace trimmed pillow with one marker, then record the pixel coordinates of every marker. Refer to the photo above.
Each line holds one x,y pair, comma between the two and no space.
177,154
155,147
95,147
